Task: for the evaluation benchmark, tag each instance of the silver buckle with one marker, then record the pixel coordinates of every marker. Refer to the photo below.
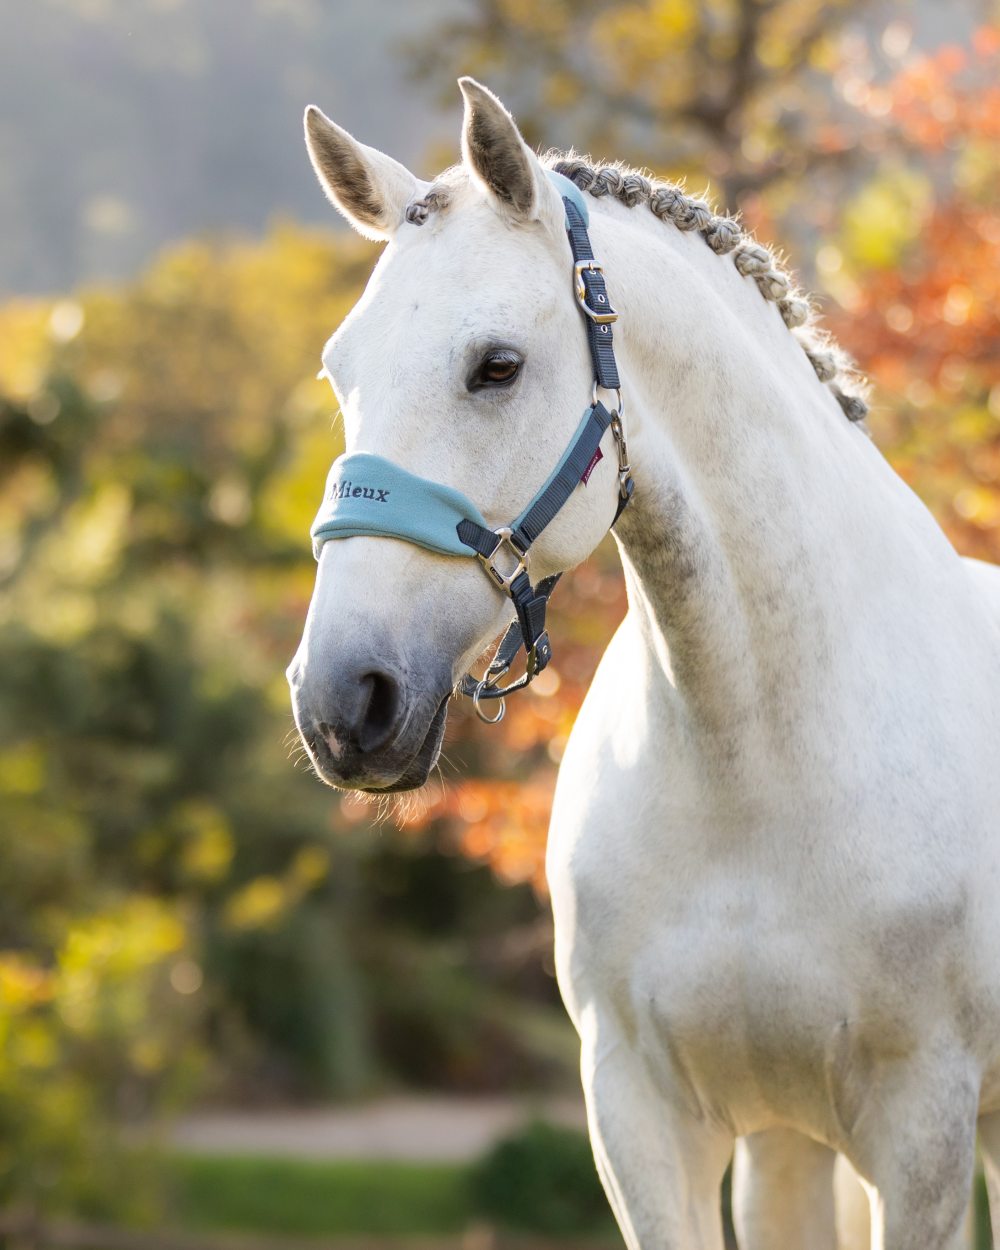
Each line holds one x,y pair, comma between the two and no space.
504,580
598,318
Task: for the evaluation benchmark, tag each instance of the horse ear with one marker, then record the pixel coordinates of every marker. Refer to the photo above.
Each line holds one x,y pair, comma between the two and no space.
369,188
498,158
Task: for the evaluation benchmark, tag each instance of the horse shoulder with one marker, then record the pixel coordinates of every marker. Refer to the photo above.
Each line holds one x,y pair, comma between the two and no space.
606,835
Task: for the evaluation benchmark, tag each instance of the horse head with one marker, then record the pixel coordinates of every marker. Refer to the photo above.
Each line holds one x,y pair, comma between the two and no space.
464,364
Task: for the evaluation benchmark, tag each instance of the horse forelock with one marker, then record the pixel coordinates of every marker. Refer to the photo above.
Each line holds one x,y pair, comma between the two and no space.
723,234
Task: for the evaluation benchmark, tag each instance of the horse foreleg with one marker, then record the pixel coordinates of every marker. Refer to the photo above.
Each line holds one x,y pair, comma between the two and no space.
789,1191
854,1209
915,1142
661,1163
783,1192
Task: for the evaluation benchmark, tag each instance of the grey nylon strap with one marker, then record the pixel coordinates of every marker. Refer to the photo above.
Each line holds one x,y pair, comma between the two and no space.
548,502
600,337
566,480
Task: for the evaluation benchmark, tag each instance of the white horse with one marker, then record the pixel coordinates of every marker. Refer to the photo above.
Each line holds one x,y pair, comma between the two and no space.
774,854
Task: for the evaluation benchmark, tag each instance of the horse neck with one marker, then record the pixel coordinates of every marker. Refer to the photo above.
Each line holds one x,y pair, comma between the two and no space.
756,544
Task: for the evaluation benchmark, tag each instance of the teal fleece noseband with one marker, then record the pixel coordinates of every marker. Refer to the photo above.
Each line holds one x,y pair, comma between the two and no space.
367,495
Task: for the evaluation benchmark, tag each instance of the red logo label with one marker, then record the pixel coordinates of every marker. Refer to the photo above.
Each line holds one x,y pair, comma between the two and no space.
595,460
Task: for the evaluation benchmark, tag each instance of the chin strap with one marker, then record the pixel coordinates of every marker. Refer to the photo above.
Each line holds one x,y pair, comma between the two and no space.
527,630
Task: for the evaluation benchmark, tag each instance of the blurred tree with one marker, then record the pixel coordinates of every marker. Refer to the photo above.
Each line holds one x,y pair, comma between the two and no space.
917,284
85,1042
740,90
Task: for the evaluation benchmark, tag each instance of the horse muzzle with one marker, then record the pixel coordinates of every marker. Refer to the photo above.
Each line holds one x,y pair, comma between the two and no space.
365,727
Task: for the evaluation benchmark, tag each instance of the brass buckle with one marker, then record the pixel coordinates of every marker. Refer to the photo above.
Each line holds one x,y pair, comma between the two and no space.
598,318
501,579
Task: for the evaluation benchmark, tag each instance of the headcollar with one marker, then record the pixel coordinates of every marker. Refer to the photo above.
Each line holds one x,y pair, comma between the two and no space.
368,495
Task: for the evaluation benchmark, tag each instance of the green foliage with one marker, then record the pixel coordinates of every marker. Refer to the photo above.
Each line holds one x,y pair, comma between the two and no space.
82,1043
319,1199
983,1238
182,905
542,1179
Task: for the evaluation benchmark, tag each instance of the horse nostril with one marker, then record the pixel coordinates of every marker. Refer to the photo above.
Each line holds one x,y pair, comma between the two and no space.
379,712
363,708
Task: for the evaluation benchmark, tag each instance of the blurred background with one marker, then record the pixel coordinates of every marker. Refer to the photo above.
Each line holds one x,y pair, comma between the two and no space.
234,1004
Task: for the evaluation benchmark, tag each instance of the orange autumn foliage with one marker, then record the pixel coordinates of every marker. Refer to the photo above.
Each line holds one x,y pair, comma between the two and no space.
927,329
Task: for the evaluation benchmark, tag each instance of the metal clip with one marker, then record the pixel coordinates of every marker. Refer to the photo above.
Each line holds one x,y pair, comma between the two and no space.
624,468
598,318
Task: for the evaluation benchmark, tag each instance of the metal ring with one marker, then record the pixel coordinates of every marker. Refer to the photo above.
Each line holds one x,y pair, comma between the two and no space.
620,411
489,720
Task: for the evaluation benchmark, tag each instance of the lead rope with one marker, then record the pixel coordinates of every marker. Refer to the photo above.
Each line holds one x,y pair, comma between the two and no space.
528,630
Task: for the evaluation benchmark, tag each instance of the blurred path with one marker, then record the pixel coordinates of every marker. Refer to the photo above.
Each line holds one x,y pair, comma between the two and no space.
409,1127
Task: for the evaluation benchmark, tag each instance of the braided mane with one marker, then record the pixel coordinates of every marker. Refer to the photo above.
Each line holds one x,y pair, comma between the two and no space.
724,235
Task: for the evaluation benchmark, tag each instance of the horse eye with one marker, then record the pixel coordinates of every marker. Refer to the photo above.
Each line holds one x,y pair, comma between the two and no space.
498,368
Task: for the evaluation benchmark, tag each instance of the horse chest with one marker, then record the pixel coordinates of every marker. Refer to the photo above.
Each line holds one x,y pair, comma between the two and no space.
765,987
745,1029
753,1017
730,1004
